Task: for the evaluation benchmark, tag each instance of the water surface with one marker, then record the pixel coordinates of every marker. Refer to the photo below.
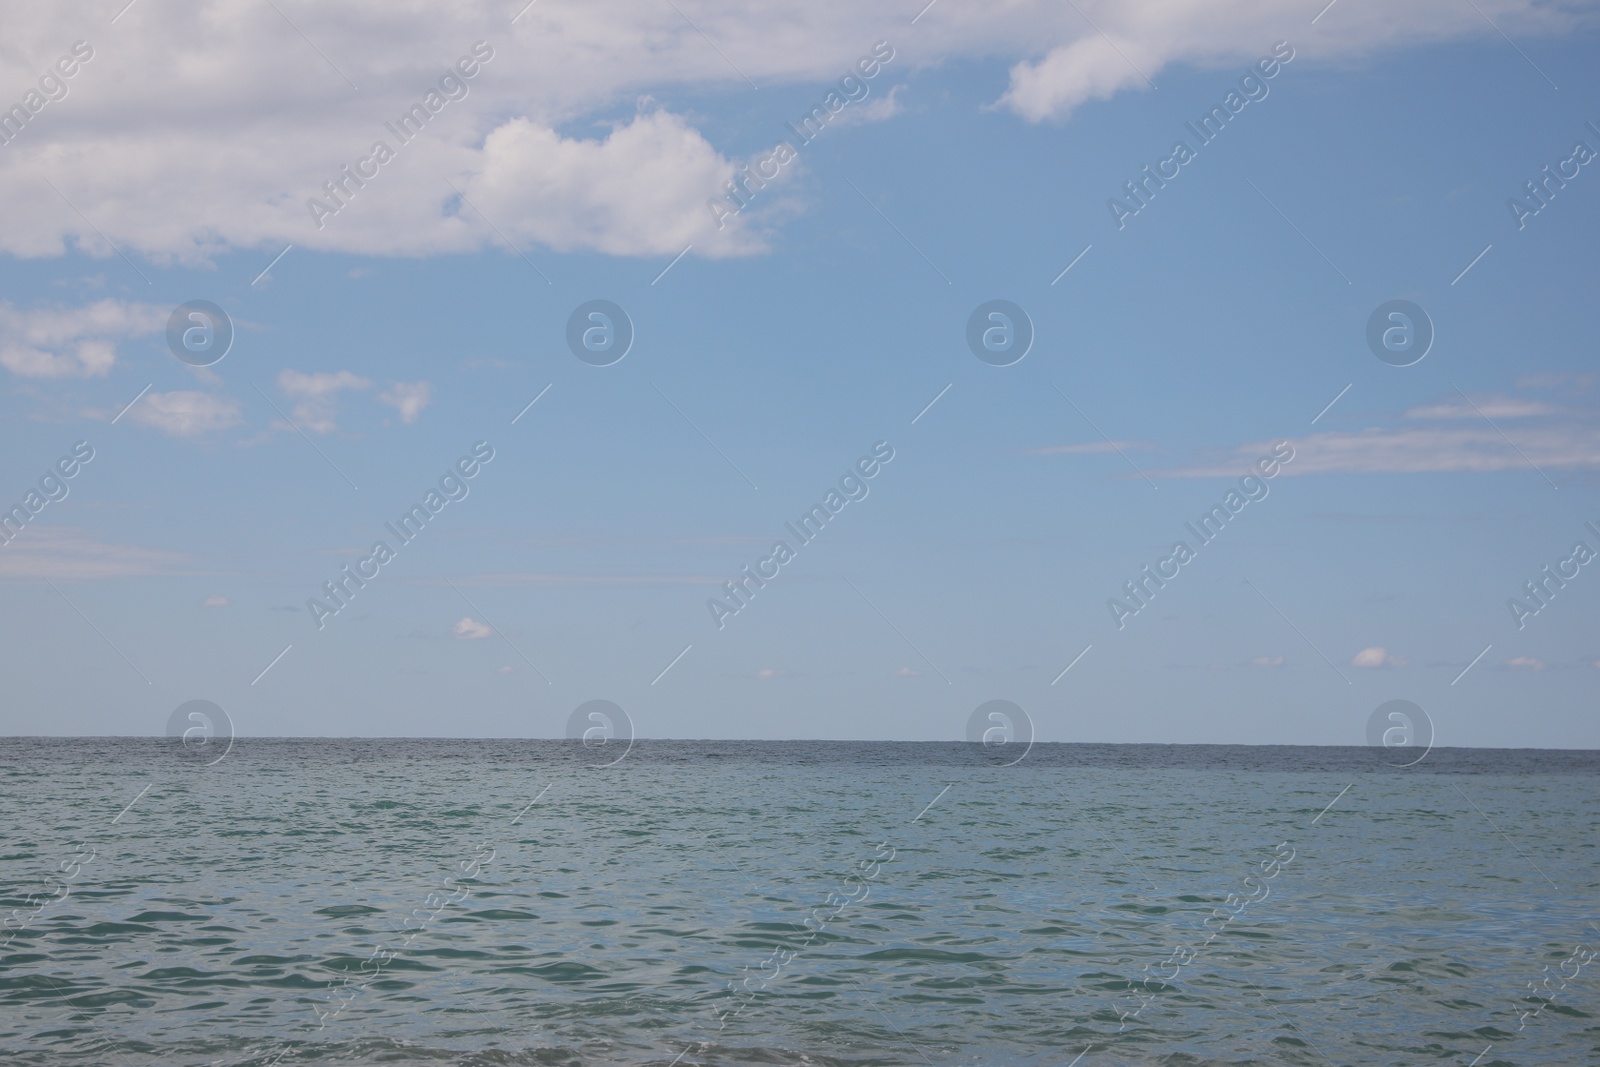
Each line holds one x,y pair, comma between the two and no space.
502,902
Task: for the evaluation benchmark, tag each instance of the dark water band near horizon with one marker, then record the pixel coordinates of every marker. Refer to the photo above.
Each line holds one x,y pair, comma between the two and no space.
414,901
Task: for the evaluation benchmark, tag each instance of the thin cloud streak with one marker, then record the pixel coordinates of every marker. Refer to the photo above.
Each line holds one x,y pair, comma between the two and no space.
65,553
518,580
1431,450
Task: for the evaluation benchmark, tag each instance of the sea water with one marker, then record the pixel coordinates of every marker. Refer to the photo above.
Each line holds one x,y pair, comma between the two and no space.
515,902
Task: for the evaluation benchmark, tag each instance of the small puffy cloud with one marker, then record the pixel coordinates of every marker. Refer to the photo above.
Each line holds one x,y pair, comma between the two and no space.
1526,663
470,629
408,398
1377,657
185,413
216,602
317,392
1266,661
907,672
72,342
768,673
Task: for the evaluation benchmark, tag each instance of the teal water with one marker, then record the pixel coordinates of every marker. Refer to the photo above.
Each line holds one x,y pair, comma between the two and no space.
472,902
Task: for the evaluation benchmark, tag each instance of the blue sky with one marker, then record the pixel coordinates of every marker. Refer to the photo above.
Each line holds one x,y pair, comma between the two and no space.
1176,351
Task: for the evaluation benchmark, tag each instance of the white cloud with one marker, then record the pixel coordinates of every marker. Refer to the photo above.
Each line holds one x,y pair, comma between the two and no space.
1376,657
1266,661
408,398
1526,663
216,602
63,342
641,191
907,672
1090,68
317,392
766,674
470,629
185,413
876,109
223,104
1118,44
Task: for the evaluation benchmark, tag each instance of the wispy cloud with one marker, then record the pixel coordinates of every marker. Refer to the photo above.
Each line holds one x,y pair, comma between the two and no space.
1496,433
519,580
1132,41
408,398
1419,451
69,554
185,413
65,342
1574,381
1494,407
317,410
879,109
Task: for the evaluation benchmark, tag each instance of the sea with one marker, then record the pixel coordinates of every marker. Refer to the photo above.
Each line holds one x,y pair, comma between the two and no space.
514,902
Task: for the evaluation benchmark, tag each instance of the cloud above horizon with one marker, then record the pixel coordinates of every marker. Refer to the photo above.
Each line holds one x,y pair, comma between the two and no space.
1377,657
252,109
185,413
66,553
1559,439
68,342
317,394
469,629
